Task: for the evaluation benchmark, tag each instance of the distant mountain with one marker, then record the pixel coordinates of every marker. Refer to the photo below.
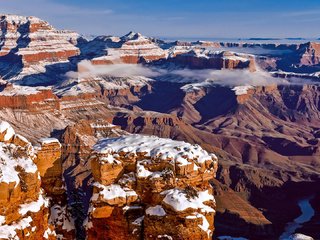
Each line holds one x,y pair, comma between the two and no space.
258,39
297,38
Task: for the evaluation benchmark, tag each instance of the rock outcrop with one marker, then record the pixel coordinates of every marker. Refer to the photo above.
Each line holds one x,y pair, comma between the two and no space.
34,40
207,59
310,54
28,98
50,166
145,185
131,49
24,208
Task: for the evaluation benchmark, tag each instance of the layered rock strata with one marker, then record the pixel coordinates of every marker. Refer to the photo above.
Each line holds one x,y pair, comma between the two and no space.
145,185
24,208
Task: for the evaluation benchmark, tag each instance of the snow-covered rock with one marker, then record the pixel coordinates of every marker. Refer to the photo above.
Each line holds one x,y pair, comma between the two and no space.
151,182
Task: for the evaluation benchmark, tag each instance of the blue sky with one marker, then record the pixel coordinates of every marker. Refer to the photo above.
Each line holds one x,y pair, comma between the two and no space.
178,18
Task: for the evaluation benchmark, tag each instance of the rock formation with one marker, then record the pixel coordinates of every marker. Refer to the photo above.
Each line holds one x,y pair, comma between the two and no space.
35,40
131,48
28,98
49,163
204,59
145,185
24,208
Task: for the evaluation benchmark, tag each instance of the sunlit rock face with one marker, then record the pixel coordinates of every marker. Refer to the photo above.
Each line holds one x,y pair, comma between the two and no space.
24,209
132,48
35,40
145,185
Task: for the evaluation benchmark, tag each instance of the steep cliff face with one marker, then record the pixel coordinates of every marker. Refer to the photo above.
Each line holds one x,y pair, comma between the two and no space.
24,207
131,49
49,163
28,98
50,166
310,54
145,185
116,91
31,47
34,40
206,59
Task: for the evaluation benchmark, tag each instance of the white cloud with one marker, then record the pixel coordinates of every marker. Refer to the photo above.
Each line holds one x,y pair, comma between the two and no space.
115,70
203,76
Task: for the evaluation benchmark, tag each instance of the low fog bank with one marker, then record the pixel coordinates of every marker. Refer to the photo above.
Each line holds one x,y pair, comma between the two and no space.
224,77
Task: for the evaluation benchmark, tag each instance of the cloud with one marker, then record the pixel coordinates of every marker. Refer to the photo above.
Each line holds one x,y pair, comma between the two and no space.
227,77
313,12
87,69
187,76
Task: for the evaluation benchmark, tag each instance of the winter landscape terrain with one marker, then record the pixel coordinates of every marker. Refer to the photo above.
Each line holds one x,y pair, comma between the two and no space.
136,137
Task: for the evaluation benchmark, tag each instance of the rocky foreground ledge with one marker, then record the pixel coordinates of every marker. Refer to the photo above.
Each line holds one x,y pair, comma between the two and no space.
144,187
151,188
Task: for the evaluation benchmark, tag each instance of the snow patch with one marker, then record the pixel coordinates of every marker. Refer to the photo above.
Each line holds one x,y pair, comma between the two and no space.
9,132
111,192
9,231
156,211
44,141
241,90
59,216
154,147
33,206
179,201
8,164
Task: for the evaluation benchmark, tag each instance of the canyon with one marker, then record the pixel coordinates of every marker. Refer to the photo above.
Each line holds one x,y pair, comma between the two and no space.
92,110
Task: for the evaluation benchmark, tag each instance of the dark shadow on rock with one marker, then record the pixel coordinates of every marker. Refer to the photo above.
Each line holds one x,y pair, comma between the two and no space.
11,64
218,101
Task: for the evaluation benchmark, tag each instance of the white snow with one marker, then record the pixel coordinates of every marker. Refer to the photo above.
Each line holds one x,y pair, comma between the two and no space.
154,147
236,58
22,138
33,206
111,192
9,231
17,90
178,200
48,140
48,232
241,90
6,127
95,125
165,236
130,193
138,221
142,172
109,159
8,164
205,224
100,77
156,211
128,208
2,219
59,216
299,236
